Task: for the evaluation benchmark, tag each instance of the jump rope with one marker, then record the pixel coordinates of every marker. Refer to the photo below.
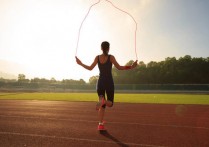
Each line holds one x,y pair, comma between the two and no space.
115,8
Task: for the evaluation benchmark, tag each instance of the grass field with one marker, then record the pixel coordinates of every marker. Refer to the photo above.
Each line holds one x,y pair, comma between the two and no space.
127,98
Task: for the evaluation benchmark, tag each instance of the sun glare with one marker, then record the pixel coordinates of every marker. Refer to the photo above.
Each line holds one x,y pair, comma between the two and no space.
42,37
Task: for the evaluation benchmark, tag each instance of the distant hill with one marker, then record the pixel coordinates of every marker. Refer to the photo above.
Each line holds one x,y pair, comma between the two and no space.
7,76
10,70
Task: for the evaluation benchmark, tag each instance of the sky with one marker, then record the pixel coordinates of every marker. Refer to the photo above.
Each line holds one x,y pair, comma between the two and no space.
40,36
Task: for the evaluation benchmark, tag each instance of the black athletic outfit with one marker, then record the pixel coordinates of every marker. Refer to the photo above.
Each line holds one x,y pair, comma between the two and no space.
105,82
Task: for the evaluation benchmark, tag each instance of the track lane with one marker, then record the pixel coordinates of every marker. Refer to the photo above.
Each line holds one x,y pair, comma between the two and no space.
74,123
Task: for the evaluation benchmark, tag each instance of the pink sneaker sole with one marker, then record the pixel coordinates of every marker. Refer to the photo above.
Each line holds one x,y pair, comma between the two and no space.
100,128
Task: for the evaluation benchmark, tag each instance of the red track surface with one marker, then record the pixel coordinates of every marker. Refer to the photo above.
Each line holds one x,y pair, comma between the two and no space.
54,123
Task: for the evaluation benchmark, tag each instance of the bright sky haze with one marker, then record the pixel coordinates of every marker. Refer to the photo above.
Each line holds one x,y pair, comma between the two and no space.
41,35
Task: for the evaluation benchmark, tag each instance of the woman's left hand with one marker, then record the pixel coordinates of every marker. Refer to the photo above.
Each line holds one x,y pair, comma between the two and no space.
134,64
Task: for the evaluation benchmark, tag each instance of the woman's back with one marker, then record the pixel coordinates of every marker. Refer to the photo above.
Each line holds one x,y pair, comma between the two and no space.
105,66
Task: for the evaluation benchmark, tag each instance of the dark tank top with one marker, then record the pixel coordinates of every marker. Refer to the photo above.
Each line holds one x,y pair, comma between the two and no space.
105,69
105,81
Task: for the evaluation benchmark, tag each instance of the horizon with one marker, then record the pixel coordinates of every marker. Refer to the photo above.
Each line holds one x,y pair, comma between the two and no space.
15,76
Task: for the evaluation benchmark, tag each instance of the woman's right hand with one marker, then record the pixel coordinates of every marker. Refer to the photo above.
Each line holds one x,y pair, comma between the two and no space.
78,61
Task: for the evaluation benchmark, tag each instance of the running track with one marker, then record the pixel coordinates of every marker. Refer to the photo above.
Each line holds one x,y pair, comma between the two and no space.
65,124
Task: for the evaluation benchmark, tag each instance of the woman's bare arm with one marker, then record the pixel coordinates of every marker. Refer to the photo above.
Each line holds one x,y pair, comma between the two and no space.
86,66
119,67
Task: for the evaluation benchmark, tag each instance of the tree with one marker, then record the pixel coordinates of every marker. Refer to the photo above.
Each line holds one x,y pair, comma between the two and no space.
21,77
53,80
81,81
93,79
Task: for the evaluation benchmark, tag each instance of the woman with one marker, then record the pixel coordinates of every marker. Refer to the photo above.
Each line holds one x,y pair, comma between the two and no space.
105,82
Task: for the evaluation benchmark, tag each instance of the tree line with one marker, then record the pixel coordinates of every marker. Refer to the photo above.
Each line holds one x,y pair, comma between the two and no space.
185,70
22,81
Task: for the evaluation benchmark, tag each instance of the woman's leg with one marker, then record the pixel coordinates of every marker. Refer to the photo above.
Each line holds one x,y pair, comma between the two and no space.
110,98
109,103
101,113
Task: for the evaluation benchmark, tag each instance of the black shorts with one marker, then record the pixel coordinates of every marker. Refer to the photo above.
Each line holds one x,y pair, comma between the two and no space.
109,93
106,85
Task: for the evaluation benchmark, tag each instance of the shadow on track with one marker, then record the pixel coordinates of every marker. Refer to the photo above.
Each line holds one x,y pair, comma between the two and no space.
108,135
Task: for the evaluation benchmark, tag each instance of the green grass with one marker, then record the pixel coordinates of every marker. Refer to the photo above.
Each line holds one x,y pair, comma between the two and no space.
127,98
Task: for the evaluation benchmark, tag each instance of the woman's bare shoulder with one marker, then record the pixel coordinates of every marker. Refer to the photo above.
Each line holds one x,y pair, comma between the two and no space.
112,58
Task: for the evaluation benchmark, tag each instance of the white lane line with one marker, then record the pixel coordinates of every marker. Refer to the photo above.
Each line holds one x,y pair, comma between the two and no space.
125,123
77,139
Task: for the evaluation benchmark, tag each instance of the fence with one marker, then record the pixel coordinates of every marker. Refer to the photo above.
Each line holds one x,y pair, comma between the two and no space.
118,87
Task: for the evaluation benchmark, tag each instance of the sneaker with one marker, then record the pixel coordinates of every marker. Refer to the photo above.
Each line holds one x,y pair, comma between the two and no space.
100,127
100,103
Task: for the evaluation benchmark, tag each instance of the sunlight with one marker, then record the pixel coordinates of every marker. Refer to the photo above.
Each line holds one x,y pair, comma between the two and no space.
43,36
